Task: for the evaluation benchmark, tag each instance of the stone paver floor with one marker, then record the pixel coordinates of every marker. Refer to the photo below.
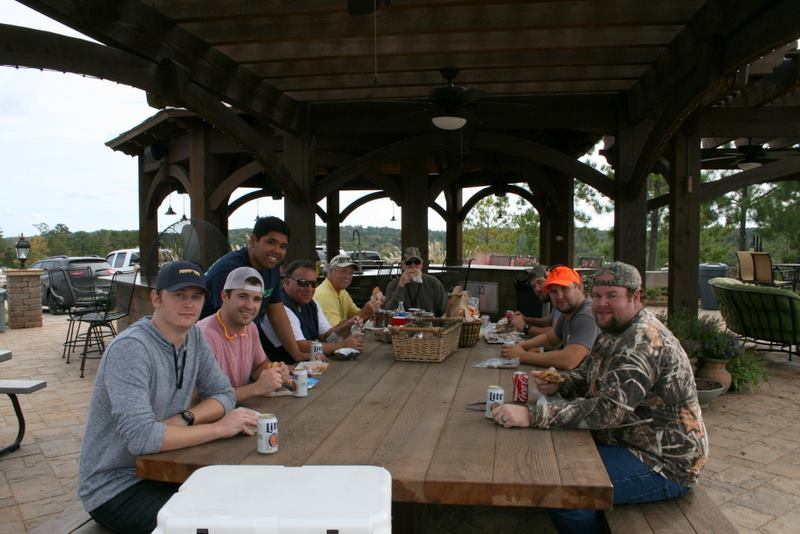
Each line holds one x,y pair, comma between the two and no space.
753,472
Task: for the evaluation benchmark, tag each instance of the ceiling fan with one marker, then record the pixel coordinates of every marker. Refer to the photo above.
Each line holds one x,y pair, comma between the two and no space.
450,102
751,155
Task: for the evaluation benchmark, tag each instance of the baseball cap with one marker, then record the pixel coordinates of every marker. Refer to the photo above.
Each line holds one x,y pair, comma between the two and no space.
342,260
177,275
237,279
411,253
537,271
562,276
624,275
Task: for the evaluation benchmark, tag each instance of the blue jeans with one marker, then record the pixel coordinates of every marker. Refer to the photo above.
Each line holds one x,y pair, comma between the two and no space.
633,482
135,509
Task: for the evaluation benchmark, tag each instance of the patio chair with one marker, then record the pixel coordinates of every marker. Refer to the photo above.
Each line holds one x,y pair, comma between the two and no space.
745,259
101,323
76,302
496,259
764,272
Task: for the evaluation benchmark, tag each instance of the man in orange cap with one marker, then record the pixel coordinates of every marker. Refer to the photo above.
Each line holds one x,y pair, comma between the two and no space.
568,343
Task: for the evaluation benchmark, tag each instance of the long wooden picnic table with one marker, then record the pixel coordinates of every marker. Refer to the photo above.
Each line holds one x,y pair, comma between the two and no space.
411,418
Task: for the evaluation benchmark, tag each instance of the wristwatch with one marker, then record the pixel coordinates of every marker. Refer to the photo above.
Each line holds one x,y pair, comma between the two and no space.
188,416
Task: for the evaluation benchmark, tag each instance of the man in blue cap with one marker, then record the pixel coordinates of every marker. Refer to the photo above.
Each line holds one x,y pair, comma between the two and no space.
142,403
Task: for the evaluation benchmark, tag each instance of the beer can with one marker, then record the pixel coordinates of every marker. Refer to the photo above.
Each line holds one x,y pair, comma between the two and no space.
300,377
267,434
494,397
520,386
316,350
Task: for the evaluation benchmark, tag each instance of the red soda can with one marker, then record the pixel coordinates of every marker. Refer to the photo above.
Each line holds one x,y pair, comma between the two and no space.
520,379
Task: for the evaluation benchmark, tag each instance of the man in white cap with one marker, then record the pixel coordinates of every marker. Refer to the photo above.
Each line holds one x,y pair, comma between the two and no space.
332,295
305,314
142,404
415,288
234,337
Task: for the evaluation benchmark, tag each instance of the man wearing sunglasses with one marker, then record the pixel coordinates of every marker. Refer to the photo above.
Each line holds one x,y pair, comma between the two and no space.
305,315
415,288
333,298
572,336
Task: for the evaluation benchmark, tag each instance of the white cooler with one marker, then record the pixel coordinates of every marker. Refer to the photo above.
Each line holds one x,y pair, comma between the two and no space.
262,499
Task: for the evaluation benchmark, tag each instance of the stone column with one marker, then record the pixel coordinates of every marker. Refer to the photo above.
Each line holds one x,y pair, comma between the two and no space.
24,298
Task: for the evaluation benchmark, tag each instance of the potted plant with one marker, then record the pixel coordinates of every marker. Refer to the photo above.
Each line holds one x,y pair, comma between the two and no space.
747,371
704,339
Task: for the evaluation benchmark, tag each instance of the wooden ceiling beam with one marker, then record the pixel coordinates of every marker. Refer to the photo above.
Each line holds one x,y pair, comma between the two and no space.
728,123
495,89
473,60
188,10
435,18
471,78
437,43
136,27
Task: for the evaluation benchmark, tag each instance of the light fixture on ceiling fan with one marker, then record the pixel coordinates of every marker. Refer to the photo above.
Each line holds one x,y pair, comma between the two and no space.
448,121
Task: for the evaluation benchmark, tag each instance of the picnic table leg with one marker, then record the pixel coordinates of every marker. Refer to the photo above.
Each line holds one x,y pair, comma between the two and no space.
21,419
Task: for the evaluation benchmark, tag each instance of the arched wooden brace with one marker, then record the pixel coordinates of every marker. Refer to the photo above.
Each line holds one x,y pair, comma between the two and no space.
494,190
158,190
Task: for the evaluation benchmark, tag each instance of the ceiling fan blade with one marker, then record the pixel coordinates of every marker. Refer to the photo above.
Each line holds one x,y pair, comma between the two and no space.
719,158
472,95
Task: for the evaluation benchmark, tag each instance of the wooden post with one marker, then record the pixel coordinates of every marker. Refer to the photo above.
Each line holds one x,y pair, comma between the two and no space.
299,157
414,217
454,250
334,238
148,227
684,223
630,206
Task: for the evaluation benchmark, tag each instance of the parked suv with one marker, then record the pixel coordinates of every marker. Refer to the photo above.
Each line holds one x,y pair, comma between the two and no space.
84,273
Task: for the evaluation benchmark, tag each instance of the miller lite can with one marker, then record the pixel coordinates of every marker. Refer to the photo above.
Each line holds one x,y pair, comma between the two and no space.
267,434
316,351
300,377
494,397
520,386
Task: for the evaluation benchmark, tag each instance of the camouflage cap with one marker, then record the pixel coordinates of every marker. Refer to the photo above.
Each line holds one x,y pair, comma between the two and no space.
624,275
535,272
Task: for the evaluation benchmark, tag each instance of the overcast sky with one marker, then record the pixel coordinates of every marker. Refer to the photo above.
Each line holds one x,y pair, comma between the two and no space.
55,167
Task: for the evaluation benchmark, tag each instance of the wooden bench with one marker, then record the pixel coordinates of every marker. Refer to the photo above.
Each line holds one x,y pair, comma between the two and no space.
72,520
12,388
694,512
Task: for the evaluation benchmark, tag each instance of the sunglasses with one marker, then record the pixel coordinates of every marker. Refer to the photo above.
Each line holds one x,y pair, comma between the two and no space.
302,282
413,261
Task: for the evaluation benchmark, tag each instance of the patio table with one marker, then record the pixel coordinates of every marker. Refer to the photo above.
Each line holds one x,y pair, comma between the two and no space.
792,269
411,418
5,355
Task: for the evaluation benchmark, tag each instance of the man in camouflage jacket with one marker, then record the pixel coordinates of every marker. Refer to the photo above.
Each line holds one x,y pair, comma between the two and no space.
636,392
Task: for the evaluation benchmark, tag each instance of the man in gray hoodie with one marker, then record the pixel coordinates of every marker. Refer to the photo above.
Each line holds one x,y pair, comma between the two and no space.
141,403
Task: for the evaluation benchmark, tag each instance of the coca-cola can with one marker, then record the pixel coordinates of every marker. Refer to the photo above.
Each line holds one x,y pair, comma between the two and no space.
300,377
520,386
267,434
316,350
495,396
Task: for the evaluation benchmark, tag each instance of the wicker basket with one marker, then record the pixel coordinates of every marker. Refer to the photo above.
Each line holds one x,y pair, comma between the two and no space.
470,333
434,345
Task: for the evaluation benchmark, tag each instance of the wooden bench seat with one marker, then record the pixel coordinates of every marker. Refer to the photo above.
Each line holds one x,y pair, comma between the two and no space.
72,520
12,388
694,512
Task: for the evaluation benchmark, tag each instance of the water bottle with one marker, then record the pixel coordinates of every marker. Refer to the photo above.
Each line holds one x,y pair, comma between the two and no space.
400,306
355,330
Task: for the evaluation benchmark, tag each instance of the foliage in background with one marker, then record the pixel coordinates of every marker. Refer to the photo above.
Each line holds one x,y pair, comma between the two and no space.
703,337
747,371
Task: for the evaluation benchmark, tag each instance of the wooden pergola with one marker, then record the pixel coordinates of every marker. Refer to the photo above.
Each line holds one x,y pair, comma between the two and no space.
302,99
